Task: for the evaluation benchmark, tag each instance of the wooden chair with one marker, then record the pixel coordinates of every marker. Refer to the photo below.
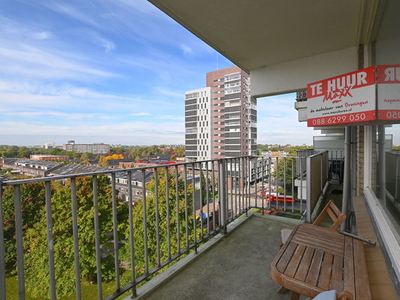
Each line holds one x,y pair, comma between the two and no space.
337,218
330,209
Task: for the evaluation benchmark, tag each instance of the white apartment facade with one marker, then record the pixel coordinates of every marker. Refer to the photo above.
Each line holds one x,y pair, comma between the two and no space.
198,124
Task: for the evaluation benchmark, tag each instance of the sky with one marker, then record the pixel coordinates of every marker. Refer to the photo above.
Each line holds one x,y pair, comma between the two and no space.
112,71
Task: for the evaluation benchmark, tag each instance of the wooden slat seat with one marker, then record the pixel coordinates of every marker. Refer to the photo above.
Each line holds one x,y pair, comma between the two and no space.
316,259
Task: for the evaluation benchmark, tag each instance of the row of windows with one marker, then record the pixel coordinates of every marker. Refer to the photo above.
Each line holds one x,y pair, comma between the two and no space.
203,147
203,117
192,95
202,155
202,124
202,136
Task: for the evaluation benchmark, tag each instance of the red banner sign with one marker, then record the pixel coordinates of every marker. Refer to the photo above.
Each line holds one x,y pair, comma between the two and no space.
348,98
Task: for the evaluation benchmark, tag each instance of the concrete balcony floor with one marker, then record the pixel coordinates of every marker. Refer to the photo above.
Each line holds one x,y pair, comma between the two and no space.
237,267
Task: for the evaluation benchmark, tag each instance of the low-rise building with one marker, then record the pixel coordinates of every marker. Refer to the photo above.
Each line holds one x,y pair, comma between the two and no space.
35,167
96,148
136,183
49,145
48,157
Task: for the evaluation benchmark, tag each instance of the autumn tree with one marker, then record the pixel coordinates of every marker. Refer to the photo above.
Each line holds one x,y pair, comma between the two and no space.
85,158
103,161
114,156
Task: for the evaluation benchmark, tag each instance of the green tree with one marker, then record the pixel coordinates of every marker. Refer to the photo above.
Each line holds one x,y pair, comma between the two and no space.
24,152
32,201
283,173
37,278
171,220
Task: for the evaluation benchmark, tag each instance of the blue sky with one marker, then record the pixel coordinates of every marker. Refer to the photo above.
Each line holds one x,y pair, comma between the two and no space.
112,71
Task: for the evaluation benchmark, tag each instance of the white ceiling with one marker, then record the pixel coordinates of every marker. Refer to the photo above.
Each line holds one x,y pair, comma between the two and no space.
259,33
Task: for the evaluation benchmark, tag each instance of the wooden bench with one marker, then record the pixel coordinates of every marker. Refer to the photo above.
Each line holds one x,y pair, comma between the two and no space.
316,259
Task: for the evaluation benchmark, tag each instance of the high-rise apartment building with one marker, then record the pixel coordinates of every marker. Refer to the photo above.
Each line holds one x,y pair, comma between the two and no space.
198,123
221,119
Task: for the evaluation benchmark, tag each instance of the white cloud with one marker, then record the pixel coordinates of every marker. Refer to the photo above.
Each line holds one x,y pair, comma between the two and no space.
186,49
107,45
141,114
44,35
172,118
33,96
34,62
163,91
71,11
145,132
59,115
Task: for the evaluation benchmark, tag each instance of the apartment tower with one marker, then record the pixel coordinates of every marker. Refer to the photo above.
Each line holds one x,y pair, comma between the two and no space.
221,119
198,124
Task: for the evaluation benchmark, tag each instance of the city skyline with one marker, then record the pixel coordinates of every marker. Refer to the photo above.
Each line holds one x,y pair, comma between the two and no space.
113,72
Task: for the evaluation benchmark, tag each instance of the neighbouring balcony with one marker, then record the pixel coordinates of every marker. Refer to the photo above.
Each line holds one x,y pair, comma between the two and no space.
64,234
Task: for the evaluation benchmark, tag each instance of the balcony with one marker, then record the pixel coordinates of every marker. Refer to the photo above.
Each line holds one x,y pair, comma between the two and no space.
212,212
235,267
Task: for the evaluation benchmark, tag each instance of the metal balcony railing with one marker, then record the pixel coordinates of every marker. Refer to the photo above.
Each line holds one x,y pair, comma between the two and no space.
78,229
